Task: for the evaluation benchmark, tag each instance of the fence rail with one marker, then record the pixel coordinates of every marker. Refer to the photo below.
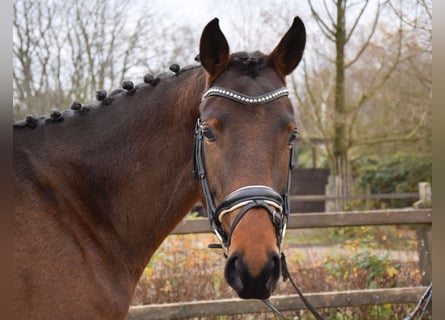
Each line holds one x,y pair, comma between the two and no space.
322,197
292,302
330,219
422,217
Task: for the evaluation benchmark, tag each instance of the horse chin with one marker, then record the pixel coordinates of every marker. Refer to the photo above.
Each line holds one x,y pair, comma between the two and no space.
254,292
256,296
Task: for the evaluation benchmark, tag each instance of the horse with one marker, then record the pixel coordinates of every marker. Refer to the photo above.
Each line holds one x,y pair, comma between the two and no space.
98,187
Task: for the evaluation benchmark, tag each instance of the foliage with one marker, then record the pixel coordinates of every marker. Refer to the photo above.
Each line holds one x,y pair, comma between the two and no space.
388,237
399,173
183,269
365,268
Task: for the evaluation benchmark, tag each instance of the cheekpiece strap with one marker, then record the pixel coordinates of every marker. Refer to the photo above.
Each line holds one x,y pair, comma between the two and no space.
245,99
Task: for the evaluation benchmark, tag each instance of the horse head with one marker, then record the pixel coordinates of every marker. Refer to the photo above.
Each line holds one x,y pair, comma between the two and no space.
243,153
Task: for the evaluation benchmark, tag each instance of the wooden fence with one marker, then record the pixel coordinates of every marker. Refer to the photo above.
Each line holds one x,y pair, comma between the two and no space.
421,217
291,302
376,196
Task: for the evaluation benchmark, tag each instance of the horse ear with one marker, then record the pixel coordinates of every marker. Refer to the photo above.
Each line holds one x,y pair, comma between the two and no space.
287,54
214,52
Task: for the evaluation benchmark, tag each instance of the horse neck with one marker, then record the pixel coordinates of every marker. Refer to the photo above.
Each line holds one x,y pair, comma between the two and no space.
158,185
128,175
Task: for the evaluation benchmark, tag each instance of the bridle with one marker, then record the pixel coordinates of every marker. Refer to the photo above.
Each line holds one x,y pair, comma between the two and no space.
258,196
248,197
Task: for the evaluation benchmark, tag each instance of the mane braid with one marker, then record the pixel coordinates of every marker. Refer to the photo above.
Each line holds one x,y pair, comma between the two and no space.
79,109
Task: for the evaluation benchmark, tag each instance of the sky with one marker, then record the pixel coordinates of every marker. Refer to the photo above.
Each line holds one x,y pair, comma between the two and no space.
198,13
245,16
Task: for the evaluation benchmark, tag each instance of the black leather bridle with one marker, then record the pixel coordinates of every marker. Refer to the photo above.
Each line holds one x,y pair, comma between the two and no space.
248,197
256,196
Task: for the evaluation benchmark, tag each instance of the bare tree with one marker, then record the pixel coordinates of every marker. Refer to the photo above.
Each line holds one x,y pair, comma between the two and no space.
379,97
406,114
334,107
66,51
353,75
29,83
417,16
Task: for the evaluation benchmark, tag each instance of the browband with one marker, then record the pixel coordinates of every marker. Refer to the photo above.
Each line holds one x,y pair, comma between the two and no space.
245,99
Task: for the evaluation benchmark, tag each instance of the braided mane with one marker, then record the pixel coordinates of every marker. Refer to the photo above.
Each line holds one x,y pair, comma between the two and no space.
103,99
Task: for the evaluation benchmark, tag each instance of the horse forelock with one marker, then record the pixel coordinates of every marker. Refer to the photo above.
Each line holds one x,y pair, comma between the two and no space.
251,63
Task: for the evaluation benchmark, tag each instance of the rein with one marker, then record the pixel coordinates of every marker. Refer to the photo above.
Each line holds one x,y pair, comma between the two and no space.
422,304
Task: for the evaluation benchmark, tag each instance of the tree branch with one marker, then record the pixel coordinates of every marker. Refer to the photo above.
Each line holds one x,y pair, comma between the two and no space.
328,32
348,35
385,140
367,42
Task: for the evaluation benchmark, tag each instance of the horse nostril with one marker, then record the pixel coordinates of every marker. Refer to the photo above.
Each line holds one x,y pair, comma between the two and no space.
276,263
275,269
232,272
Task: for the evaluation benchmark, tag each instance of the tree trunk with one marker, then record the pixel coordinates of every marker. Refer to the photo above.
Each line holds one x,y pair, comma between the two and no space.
342,181
341,168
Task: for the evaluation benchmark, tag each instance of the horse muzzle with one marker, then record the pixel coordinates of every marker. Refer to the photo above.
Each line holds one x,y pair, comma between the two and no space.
248,286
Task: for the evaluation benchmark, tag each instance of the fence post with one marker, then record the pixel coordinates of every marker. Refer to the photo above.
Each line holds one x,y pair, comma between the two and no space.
330,205
424,240
424,235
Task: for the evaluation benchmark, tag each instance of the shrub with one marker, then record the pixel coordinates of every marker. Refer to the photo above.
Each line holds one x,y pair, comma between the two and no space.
183,269
399,173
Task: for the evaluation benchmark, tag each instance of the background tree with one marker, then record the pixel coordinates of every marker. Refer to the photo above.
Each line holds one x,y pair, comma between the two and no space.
364,98
331,21
364,86
66,51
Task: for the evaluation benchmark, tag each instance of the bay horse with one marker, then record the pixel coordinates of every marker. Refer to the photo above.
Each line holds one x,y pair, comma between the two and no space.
99,187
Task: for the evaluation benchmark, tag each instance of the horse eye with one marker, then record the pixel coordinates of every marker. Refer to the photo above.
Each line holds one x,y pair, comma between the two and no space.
208,134
293,136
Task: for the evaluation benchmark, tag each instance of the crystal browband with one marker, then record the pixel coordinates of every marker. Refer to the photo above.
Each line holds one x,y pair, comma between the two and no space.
245,99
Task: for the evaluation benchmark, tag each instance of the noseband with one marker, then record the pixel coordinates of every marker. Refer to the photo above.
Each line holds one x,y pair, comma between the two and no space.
248,197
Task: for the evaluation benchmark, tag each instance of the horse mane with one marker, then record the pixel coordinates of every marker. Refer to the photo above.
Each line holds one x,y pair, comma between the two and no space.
103,99
251,63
